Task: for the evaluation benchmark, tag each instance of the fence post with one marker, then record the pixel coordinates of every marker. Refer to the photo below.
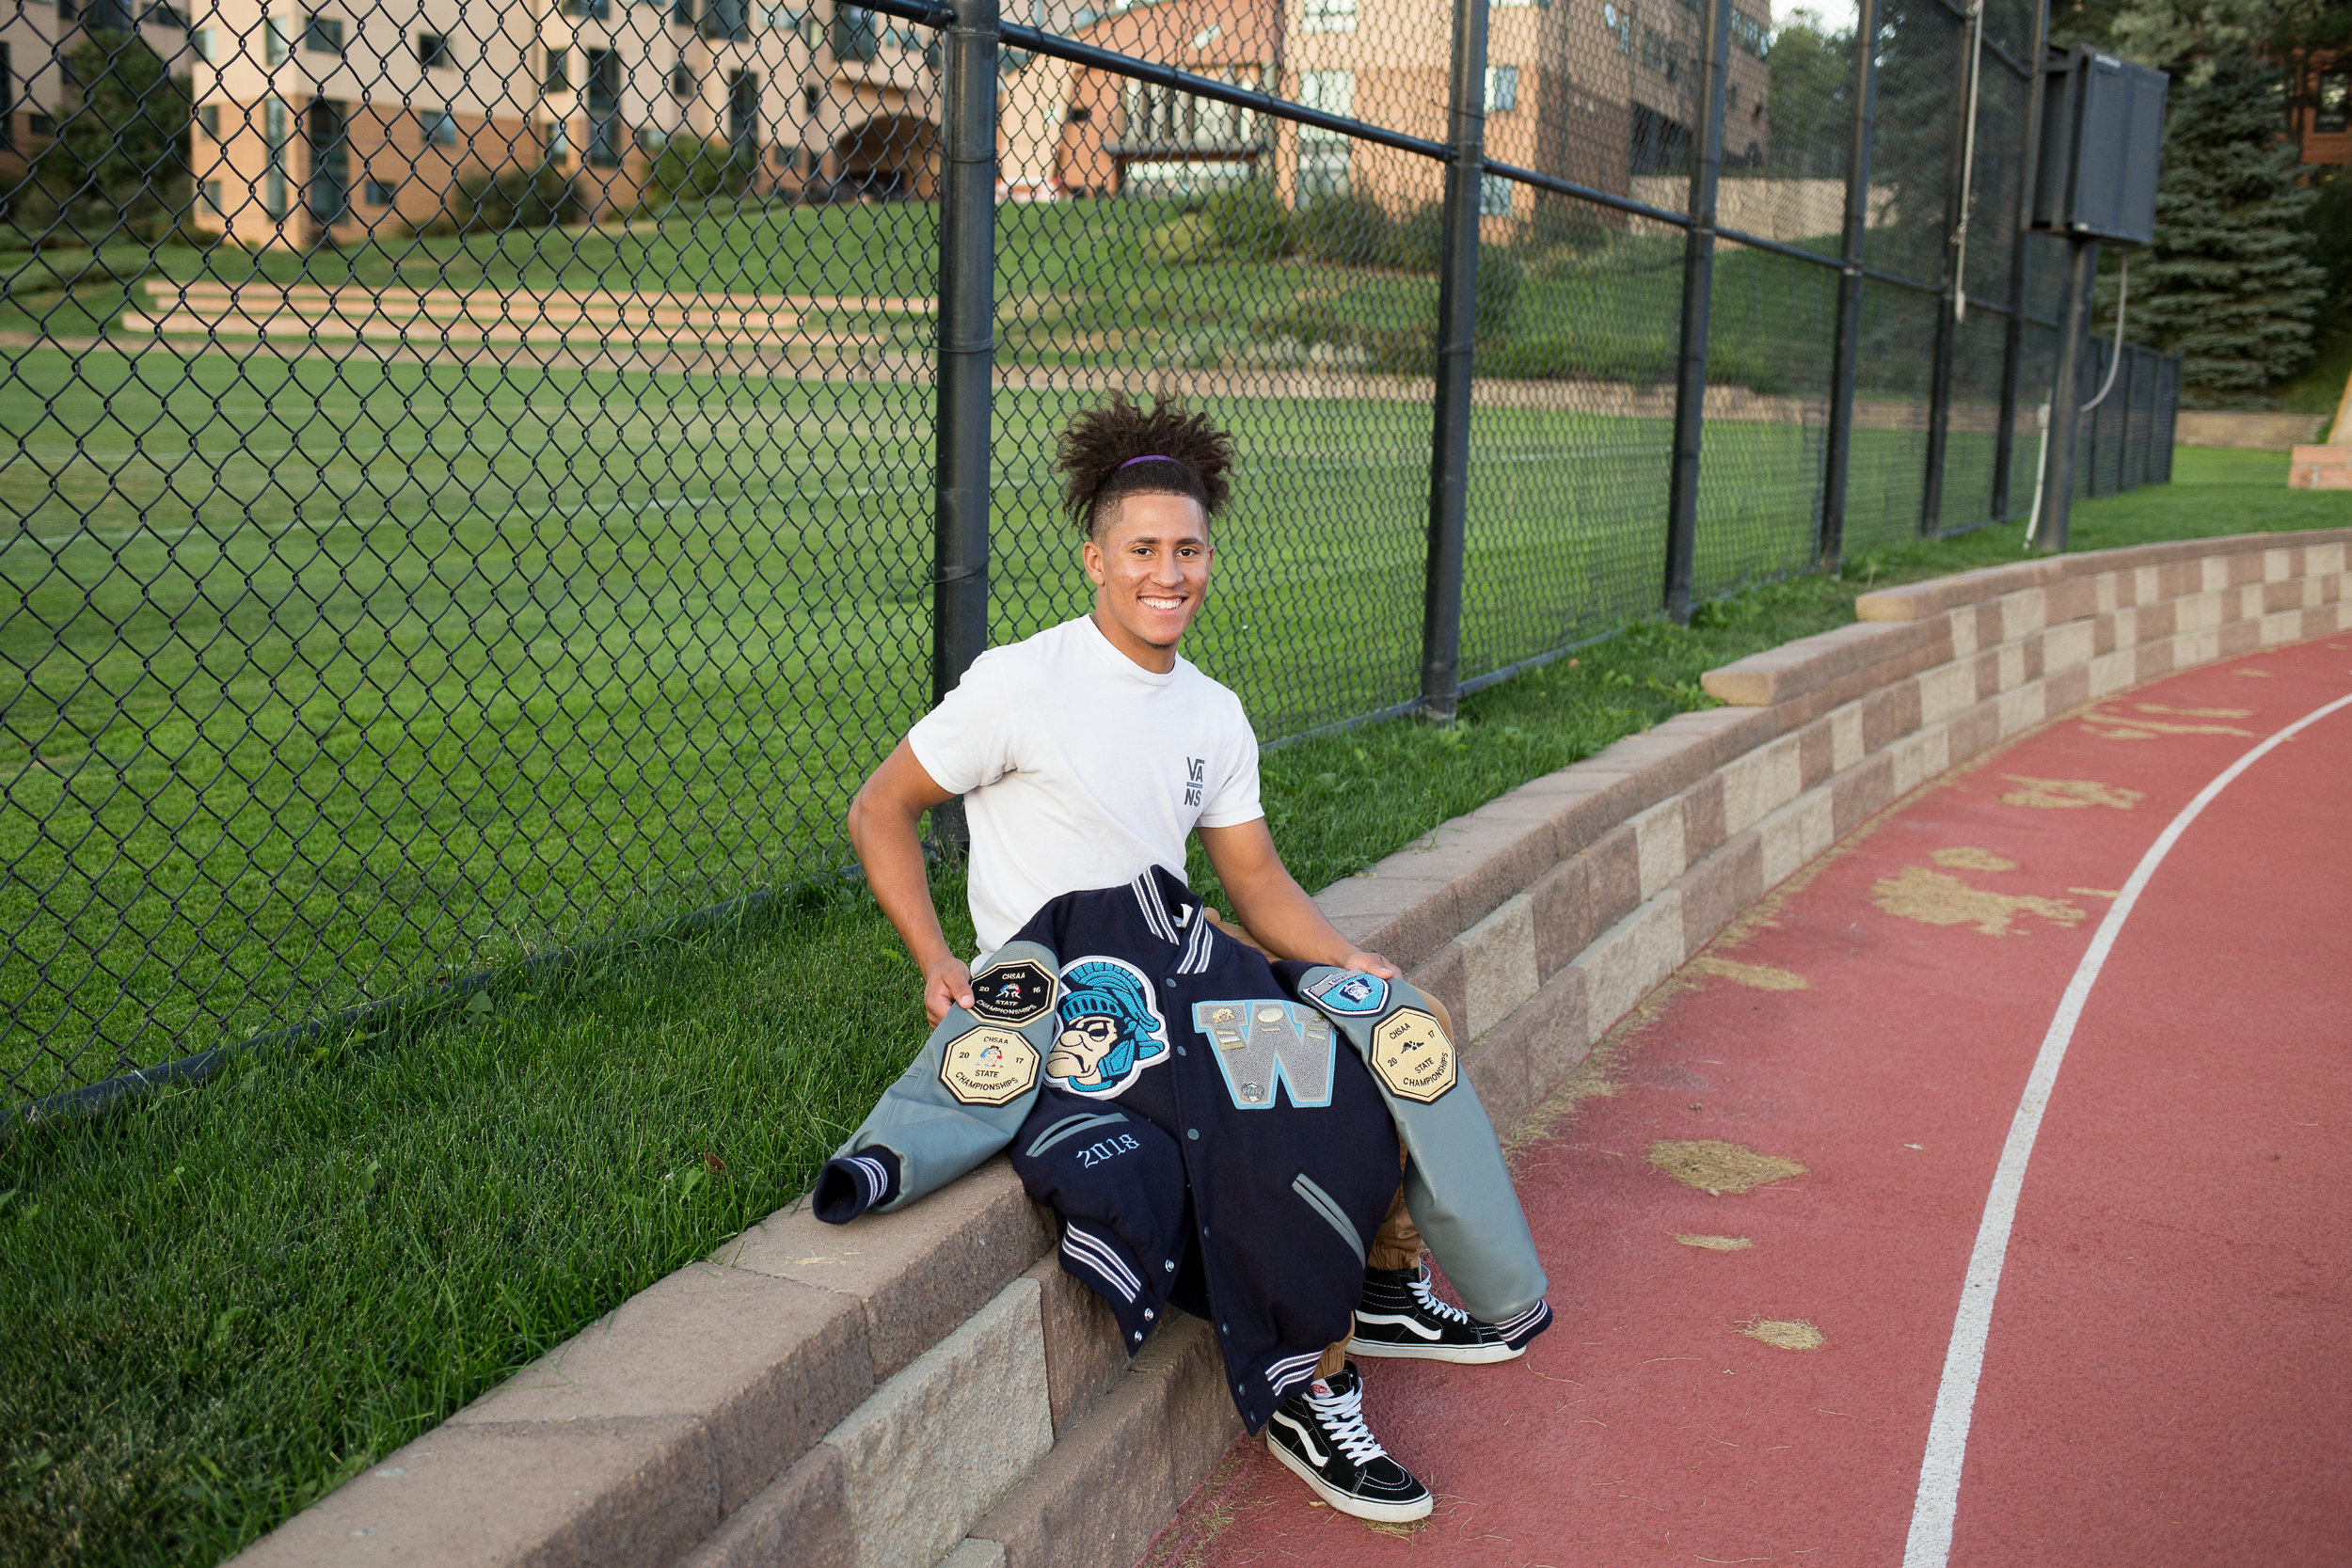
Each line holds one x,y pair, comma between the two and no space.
1457,331
2013,334
1948,314
967,342
1837,461
1698,297
2066,395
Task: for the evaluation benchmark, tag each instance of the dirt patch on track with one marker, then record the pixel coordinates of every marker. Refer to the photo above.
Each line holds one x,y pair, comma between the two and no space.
1718,1167
1784,1334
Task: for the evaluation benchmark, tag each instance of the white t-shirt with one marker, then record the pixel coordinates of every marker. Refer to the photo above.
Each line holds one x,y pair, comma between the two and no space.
1080,769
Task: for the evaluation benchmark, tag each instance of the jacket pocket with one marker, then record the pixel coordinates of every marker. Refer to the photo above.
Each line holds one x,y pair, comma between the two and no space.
1322,1203
1070,1127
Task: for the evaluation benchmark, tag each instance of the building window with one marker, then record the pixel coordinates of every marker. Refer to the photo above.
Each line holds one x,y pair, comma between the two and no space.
212,202
202,44
380,192
1617,21
8,102
439,126
1330,16
780,19
608,138
323,35
1164,116
277,40
2330,117
1081,115
558,141
40,125
811,97
273,136
682,12
855,35
432,51
1502,89
727,19
682,80
1323,154
742,110
596,11
1751,35
1658,145
208,116
165,16
558,76
67,10
1494,196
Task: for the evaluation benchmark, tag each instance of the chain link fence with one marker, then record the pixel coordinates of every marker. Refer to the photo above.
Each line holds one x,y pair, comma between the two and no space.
481,481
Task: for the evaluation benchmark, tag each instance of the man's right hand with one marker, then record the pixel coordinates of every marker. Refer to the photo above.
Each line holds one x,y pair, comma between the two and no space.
947,983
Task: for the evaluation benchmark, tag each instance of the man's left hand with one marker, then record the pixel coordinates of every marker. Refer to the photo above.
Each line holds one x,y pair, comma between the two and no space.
1370,963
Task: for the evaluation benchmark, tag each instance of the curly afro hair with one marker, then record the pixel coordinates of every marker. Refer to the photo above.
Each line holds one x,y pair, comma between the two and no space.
1094,454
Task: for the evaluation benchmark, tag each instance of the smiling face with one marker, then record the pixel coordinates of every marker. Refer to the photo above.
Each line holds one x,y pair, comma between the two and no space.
1150,565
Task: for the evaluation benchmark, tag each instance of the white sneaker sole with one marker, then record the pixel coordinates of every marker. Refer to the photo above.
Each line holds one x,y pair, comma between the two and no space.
1386,1514
1466,1356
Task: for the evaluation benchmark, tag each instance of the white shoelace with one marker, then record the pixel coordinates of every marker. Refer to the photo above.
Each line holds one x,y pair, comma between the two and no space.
1342,1416
1444,1311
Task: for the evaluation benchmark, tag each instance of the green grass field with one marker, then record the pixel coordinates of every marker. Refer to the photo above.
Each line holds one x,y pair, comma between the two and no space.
220,1301
323,676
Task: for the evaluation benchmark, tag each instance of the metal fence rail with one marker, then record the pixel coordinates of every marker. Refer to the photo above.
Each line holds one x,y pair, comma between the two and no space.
480,481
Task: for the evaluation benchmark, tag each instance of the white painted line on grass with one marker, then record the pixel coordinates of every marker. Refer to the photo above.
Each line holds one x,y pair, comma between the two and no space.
1937,1505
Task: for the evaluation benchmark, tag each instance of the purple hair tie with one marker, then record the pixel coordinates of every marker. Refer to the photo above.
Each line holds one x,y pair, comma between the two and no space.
1146,457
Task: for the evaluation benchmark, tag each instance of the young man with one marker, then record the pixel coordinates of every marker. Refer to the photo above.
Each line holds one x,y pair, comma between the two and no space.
1086,755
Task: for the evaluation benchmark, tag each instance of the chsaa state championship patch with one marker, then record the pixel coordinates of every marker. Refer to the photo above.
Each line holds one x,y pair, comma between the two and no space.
1354,994
1013,993
988,1065
1411,1055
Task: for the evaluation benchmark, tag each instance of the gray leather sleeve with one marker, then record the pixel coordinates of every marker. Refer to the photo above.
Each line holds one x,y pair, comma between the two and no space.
1457,1186
937,1133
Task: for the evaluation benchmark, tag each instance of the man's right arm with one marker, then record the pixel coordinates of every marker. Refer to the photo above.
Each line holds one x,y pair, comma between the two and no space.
883,820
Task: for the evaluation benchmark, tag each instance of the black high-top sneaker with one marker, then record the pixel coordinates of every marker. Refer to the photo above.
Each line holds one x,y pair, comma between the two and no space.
1319,1432
1400,1316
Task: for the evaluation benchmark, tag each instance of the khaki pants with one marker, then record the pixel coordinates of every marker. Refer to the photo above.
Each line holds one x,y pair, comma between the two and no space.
1397,1244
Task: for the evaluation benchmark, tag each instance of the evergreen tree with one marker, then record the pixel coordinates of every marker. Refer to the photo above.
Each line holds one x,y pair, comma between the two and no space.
2229,282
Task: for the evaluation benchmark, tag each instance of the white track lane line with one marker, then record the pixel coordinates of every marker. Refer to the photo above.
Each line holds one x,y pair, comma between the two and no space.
1937,1505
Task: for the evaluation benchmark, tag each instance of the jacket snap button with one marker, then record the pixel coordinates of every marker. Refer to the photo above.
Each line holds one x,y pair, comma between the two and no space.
1180,1050
1192,1131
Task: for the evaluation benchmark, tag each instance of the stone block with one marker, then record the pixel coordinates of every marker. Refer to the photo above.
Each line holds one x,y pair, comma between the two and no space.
1498,965
801,1519
1445,979
1703,815
765,1365
919,1271
936,1447
1816,747
1108,1487
1796,832
1530,1052
2064,647
1085,1352
972,1552
1718,887
1631,959
2238,637
1974,731
1888,715
1761,783
584,1492
2021,710
1658,847
1855,796
1845,729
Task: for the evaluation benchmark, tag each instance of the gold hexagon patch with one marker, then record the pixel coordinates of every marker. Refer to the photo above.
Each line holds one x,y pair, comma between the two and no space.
988,1067
1412,1055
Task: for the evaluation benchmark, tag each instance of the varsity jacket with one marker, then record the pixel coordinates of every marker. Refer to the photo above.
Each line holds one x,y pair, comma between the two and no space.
1187,1109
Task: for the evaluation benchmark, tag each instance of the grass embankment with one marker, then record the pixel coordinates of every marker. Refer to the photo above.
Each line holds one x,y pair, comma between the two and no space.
220,1302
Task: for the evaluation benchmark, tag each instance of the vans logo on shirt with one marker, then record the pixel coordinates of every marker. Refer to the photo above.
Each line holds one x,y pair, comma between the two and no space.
1194,768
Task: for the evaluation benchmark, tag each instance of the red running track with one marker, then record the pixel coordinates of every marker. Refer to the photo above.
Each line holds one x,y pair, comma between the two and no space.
2167,1378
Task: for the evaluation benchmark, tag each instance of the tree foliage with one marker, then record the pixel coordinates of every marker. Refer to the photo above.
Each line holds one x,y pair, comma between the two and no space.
2229,282
120,159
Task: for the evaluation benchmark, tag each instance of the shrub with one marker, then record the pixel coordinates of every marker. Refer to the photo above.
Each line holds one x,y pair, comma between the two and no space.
1347,230
1249,223
1418,244
519,199
1500,275
690,170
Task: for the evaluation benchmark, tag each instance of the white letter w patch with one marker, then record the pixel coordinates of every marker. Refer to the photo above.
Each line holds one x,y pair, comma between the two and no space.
1260,1041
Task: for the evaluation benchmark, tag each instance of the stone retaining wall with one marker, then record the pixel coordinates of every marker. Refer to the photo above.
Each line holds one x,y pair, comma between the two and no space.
929,1386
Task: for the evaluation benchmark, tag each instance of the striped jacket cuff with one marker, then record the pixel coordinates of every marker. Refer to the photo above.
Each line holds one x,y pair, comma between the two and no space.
853,1184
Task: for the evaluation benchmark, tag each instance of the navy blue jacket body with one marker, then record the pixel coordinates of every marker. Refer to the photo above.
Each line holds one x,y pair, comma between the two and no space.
1219,1132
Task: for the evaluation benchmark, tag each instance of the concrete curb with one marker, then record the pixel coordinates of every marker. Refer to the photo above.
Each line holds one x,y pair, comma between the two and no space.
929,1386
